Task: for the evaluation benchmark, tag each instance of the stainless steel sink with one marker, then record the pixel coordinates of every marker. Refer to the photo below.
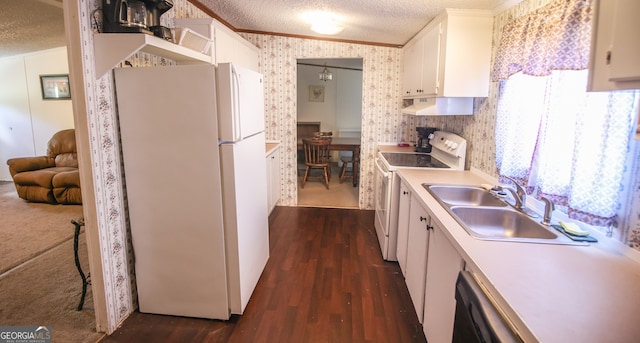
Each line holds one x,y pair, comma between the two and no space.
486,217
464,195
500,223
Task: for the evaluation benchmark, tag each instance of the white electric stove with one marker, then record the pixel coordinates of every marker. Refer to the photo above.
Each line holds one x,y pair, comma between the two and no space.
448,152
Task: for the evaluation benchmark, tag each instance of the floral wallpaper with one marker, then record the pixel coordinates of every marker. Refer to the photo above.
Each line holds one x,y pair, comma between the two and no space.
380,102
381,122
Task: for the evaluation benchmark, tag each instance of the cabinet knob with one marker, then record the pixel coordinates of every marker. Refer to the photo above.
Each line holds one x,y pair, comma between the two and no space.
405,192
423,219
429,227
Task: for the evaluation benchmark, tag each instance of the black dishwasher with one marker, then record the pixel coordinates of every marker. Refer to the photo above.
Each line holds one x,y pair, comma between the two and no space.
477,320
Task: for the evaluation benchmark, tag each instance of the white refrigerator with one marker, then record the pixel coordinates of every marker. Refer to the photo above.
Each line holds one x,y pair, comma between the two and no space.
195,176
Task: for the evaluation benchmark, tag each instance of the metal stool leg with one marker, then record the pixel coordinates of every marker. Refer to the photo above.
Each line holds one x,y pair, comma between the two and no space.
85,279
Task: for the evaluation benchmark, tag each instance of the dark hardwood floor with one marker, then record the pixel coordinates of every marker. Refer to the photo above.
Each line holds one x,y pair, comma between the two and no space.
325,282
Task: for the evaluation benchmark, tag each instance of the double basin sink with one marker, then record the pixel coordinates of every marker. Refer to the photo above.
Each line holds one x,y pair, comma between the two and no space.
487,217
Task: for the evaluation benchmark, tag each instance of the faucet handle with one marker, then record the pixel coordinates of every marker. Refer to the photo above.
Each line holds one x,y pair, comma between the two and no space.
518,187
519,190
548,210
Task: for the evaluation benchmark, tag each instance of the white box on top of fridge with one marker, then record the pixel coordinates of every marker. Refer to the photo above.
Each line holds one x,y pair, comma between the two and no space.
199,248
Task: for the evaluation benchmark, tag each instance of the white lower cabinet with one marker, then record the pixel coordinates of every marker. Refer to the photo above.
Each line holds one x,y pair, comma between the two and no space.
430,264
273,178
443,265
417,245
403,226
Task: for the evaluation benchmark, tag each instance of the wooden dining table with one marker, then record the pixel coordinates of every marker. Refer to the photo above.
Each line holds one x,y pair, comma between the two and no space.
345,144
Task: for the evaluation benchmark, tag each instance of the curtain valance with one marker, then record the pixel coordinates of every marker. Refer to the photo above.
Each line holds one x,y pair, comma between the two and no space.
554,37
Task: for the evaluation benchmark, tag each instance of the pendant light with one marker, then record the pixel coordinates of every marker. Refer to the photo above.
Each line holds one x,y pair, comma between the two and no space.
325,74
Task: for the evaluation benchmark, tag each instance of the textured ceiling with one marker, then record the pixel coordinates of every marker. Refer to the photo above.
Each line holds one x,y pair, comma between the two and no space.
30,25
391,22
33,25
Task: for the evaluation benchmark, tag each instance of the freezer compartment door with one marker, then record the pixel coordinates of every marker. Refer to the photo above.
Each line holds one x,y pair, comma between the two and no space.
244,192
240,102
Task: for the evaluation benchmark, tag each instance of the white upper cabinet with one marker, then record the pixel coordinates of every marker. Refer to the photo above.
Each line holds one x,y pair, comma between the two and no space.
615,47
455,57
430,71
412,61
228,46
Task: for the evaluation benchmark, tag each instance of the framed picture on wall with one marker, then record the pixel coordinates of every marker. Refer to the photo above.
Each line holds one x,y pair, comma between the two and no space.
316,93
55,87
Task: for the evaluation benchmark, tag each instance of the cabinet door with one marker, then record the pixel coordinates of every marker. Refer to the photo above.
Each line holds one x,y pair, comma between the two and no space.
625,48
412,68
443,266
224,45
246,56
403,226
273,178
431,61
417,245
615,47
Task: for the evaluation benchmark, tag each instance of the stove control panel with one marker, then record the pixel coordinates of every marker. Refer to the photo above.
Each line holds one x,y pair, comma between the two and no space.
449,143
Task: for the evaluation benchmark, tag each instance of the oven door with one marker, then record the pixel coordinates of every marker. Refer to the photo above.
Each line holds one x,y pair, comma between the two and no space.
383,178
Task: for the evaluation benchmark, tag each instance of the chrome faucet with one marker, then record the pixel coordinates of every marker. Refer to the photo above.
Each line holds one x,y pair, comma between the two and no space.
548,210
518,204
519,194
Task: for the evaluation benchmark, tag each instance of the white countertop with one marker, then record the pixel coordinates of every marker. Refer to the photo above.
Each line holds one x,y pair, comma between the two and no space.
270,146
552,293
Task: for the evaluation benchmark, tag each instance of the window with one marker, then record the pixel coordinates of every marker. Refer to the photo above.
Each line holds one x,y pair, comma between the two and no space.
565,143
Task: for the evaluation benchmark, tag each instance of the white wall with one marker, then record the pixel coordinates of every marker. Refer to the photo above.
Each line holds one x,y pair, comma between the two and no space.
309,111
349,98
27,122
342,106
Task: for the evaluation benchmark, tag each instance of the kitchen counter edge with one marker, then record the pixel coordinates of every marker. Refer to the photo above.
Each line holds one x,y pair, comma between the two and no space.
551,293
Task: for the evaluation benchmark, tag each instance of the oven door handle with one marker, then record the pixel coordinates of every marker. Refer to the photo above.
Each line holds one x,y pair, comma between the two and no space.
380,169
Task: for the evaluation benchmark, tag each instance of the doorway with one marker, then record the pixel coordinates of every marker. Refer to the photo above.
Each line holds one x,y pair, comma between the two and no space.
330,103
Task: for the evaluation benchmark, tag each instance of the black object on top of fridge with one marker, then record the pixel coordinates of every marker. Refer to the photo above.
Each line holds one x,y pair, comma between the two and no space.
136,16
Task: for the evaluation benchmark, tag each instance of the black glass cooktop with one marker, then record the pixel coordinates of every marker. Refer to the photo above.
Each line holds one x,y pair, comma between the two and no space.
412,160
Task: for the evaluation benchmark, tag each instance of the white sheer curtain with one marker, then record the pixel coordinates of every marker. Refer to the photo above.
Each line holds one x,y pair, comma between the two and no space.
565,143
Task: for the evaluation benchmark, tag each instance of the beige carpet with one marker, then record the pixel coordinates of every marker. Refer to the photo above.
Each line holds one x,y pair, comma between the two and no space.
316,194
46,291
39,282
29,229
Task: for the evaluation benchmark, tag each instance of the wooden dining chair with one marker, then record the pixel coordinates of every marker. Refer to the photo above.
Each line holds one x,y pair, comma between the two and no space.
323,134
345,172
316,156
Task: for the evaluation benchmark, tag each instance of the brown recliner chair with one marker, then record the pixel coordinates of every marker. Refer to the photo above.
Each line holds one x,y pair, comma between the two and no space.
53,178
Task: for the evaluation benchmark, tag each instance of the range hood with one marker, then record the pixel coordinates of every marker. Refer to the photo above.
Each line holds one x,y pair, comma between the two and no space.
439,106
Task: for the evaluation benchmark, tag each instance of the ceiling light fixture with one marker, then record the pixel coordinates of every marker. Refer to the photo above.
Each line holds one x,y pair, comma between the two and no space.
326,28
325,74
323,22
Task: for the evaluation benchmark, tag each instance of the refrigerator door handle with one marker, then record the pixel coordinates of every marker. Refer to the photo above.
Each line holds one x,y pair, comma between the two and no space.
237,127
